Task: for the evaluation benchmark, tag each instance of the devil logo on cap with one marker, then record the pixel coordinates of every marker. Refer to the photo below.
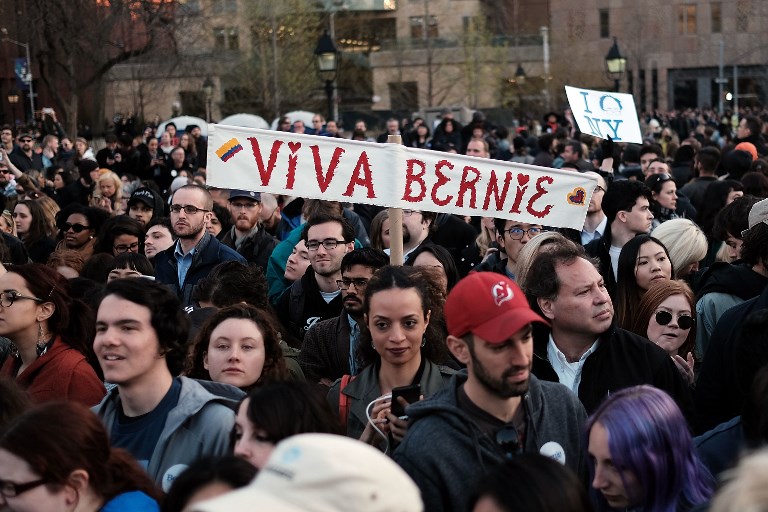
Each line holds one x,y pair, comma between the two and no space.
501,293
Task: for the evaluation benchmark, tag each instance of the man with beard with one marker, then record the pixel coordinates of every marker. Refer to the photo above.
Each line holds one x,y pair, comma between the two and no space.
24,157
196,251
584,350
329,348
493,410
316,296
247,236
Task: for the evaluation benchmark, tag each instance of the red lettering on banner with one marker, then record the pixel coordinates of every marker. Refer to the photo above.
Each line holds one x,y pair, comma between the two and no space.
363,163
540,191
522,186
466,185
442,179
324,179
293,161
493,188
410,177
265,173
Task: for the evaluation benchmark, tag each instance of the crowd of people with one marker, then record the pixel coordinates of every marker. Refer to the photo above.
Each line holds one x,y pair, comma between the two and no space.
166,345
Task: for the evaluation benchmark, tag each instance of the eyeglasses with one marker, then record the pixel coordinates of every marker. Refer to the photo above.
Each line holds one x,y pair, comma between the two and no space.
683,321
7,298
598,189
247,206
10,489
328,243
188,209
25,140
508,439
126,248
408,213
77,228
359,283
519,233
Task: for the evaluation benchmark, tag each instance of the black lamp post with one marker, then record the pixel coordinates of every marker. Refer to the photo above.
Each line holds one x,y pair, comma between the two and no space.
327,65
615,65
520,80
208,86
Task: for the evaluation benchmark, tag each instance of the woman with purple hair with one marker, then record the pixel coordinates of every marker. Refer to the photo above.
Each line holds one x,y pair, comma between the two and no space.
641,455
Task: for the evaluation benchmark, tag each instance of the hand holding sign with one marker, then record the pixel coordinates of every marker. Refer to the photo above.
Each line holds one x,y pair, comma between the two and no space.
604,114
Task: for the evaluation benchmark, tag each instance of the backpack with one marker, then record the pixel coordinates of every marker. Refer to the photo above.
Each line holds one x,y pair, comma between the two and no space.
344,401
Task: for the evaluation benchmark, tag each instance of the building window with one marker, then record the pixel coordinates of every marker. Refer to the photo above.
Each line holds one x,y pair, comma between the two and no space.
418,25
224,6
226,38
686,19
743,12
716,14
605,25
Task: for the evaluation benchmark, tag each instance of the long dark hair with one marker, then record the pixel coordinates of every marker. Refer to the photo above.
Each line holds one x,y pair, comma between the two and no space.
57,438
38,228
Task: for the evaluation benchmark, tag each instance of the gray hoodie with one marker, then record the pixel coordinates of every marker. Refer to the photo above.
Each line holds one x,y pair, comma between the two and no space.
446,454
200,424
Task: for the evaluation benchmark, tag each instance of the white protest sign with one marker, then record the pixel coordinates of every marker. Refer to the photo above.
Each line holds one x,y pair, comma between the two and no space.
601,114
392,175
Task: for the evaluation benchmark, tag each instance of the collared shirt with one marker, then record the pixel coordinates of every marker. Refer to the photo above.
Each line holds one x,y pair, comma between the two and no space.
354,337
588,236
568,373
183,262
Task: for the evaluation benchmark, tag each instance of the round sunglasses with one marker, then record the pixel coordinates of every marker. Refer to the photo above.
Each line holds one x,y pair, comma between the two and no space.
683,321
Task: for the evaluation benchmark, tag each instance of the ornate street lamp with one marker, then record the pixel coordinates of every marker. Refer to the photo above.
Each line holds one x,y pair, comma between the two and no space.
327,58
615,65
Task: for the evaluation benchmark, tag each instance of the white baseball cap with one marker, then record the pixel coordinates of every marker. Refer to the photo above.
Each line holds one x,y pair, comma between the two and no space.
323,473
758,213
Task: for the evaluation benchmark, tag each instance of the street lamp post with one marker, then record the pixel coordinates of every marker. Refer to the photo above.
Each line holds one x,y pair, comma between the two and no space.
208,86
27,79
615,65
520,80
13,99
327,64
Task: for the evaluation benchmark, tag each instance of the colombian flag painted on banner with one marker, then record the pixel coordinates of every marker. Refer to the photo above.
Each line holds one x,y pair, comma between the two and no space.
229,149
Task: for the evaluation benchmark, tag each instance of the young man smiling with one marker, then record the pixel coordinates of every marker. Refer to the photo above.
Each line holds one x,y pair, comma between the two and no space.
166,423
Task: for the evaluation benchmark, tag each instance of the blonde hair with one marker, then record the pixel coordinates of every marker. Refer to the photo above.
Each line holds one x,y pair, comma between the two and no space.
685,242
745,489
531,249
107,175
8,217
51,209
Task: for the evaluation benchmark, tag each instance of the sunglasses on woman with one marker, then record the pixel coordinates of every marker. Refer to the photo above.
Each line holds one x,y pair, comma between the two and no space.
683,321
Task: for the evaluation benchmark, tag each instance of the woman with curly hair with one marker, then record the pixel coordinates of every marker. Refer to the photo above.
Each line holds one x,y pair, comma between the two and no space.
108,193
238,345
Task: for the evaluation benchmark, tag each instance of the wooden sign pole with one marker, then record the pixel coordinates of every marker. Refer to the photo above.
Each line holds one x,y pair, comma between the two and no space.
395,222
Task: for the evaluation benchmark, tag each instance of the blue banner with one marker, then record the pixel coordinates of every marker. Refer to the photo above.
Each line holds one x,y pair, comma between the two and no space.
22,74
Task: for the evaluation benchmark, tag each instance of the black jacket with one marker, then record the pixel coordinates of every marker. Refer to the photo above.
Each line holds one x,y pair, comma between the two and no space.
210,252
325,350
302,305
600,249
256,247
622,359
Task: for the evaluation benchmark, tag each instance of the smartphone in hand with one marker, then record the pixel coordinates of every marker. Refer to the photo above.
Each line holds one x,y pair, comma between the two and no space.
410,393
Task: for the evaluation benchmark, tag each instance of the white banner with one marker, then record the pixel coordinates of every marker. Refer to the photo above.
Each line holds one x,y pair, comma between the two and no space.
392,175
602,114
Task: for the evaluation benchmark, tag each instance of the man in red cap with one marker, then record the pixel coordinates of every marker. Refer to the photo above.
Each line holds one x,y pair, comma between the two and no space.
493,410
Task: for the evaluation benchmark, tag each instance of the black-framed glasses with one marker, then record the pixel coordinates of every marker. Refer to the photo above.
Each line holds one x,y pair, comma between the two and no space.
7,298
25,140
509,440
328,243
683,321
359,283
126,248
598,188
188,209
10,489
77,228
250,205
408,213
519,233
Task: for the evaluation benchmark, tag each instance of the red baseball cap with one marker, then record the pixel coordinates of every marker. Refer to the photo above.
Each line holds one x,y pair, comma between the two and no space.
490,305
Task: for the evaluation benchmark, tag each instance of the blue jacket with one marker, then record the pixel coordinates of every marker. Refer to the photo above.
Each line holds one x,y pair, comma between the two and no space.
134,501
209,253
